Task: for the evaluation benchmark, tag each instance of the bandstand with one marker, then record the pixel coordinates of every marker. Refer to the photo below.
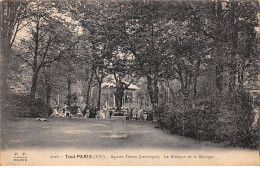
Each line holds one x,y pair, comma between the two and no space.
108,97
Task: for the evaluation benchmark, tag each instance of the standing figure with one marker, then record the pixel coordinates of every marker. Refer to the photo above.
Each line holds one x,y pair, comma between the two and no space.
105,112
84,112
64,109
91,113
145,116
141,115
110,113
67,112
87,113
102,114
131,114
138,115
95,112
79,114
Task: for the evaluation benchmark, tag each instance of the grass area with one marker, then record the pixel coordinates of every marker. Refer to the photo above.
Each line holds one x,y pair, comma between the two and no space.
90,133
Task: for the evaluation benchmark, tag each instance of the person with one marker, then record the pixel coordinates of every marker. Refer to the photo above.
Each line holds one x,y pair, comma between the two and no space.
131,114
105,112
79,114
95,111
138,116
64,109
61,112
91,113
110,114
98,112
55,112
87,113
84,112
102,114
145,116
67,113
141,115
135,116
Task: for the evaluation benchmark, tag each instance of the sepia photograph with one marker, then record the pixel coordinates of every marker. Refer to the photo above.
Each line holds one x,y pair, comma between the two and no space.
129,82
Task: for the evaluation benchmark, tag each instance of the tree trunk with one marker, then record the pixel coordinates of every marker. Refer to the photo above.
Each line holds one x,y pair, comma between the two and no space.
195,86
219,80
171,91
185,79
150,89
251,36
185,93
196,79
232,64
232,77
48,92
99,95
156,92
36,69
69,93
153,90
5,68
219,77
34,84
48,98
88,89
240,78
8,13
118,107
119,94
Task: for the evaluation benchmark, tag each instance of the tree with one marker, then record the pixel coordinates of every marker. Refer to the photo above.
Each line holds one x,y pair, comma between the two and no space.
49,40
47,82
85,63
226,23
100,73
244,17
11,22
97,25
142,32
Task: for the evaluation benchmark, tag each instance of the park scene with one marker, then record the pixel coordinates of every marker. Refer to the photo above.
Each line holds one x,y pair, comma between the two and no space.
130,74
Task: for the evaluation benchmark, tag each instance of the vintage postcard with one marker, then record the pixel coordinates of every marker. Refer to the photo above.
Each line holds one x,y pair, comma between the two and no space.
130,82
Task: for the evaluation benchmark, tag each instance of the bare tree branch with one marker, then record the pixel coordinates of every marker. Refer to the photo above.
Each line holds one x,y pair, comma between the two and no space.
20,57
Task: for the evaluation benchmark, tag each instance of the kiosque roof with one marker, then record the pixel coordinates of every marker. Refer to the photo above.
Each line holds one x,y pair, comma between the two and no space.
112,85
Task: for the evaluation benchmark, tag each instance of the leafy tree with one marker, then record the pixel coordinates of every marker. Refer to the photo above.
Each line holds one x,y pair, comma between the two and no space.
11,22
49,39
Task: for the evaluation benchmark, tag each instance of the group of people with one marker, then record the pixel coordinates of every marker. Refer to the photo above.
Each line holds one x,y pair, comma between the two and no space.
62,112
104,113
93,112
133,114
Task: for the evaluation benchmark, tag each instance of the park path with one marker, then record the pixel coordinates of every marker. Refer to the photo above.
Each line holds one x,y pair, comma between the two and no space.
91,133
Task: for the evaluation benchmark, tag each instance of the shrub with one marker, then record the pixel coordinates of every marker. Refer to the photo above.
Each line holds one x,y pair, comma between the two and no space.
24,106
236,123
73,109
194,123
170,120
200,124
233,120
37,108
